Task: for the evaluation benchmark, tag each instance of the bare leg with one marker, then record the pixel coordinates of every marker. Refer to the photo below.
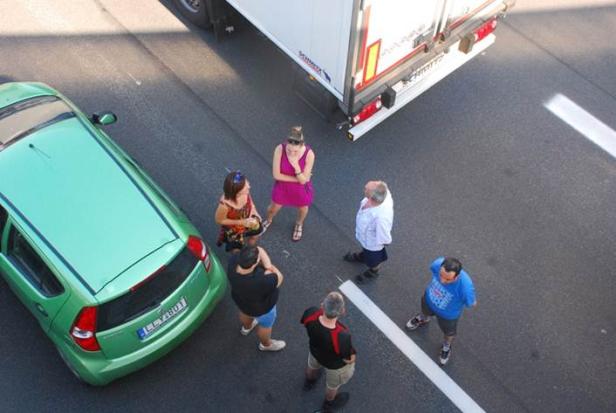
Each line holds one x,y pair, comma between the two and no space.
330,394
301,215
449,339
264,335
312,374
246,320
272,210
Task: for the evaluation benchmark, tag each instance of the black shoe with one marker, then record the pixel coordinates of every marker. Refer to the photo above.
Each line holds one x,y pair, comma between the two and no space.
360,279
352,257
369,273
340,400
444,356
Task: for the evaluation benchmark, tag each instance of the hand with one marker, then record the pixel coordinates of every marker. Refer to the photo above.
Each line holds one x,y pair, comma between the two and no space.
294,163
252,223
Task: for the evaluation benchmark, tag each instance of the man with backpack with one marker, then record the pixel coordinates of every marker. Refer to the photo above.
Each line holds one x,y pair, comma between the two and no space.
330,348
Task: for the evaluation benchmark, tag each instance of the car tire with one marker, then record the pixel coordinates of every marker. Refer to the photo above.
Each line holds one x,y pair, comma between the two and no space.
71,368
195,11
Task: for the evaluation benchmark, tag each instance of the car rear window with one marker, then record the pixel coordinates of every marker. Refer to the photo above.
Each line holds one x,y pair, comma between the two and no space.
148,295
22,118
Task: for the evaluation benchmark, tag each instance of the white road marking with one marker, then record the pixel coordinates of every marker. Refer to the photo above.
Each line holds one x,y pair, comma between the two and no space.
411,350
583,122
138,82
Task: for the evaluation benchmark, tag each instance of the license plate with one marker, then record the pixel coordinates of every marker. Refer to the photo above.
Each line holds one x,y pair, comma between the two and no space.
148,329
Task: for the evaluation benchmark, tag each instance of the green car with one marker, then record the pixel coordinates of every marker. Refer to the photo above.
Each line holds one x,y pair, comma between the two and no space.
113,271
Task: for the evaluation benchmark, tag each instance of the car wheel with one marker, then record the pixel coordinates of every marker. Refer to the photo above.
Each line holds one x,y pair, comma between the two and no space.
195,11
70,367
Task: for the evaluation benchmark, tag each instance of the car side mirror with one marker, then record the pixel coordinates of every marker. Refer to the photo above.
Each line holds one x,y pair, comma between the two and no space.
103,118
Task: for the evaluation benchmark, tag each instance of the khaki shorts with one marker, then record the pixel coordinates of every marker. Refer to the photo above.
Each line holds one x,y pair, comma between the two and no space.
333,378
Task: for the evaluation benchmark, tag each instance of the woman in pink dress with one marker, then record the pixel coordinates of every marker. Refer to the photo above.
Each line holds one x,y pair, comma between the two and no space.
292,171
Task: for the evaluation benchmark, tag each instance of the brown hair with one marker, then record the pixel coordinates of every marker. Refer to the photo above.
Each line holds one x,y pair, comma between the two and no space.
234,183
296,134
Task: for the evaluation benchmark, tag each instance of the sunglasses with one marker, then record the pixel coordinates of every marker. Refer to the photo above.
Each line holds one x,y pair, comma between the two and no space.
294,142
237,178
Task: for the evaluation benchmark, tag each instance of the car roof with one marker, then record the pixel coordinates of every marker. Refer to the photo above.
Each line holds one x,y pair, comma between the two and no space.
72,193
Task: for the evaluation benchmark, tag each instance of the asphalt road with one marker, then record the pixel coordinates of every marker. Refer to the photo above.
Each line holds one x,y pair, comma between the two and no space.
478,168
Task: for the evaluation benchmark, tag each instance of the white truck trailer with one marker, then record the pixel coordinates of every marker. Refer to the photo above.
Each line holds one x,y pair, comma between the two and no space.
371,57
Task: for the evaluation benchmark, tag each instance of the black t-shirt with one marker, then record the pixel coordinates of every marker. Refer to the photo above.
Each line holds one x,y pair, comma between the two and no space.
255,294
328,346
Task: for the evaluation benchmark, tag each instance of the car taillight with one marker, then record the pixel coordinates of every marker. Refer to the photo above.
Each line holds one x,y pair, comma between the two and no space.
468,41
368,110
83,331
200,251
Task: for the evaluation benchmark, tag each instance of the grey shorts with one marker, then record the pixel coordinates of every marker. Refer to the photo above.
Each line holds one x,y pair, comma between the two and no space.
334,378
448,327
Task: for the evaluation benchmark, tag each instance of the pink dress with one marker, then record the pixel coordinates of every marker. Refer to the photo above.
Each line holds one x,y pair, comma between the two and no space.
292,193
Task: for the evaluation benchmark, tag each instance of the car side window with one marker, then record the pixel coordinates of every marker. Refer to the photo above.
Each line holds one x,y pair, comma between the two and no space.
3,218
33,267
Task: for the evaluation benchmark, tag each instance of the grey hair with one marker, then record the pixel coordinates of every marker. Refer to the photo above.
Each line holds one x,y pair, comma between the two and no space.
333,305
379,193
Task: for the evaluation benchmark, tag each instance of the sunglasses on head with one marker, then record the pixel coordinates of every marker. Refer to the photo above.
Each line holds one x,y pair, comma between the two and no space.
294,142
237,178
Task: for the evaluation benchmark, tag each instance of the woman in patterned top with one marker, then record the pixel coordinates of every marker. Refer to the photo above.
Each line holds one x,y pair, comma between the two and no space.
239,220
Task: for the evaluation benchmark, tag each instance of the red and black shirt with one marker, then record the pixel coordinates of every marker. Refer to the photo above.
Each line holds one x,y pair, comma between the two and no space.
329,346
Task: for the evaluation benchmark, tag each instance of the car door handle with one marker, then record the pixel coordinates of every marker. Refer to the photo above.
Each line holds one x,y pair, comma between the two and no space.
41,309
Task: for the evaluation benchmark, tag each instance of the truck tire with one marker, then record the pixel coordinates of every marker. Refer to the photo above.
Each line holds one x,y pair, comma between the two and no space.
195,11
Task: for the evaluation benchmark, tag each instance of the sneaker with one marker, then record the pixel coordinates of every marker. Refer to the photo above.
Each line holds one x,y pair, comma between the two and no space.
416,322
246,331
276,345
445,355
340,400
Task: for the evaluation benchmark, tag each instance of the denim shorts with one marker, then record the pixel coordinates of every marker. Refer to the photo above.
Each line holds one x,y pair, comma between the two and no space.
267,320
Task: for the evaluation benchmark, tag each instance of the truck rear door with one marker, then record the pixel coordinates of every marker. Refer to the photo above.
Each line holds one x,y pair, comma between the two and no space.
392,32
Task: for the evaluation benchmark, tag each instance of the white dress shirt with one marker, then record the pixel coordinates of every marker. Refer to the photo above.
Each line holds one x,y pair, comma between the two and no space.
373,224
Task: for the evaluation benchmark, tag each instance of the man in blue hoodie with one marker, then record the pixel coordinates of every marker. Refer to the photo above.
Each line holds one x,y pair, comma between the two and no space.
450,290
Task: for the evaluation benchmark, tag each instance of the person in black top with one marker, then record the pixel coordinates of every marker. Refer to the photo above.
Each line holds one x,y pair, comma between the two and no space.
254,284
330,348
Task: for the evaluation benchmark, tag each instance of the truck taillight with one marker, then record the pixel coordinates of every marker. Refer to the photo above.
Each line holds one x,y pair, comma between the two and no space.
368,110
83,331
487,28
466,44
200,251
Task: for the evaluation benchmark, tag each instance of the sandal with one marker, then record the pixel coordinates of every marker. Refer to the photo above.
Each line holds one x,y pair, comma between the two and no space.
297,233
265,225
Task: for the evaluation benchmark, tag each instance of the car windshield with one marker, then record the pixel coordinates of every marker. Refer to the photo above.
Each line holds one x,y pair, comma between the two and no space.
22,118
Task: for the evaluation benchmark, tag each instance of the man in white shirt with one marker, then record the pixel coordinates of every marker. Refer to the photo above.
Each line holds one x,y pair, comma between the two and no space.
373,224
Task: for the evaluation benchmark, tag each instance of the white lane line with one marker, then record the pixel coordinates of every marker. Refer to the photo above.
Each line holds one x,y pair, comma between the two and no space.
583,122
408,347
